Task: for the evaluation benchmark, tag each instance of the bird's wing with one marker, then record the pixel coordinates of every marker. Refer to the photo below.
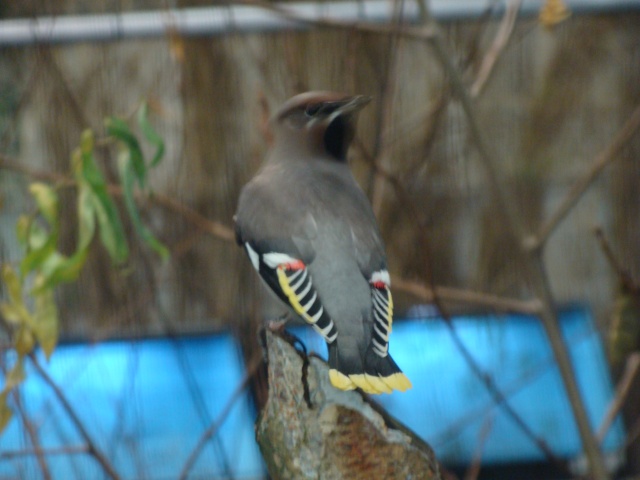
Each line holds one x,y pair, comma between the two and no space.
381,372
280,248
370,255
382,311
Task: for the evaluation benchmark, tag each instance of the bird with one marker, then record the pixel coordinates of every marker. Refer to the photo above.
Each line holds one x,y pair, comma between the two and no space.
311,234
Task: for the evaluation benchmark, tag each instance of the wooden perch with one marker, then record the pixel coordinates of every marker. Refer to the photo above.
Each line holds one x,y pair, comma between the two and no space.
310,430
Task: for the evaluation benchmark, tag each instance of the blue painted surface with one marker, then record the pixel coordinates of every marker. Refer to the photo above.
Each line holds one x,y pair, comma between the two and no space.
450,407
146,403
141,409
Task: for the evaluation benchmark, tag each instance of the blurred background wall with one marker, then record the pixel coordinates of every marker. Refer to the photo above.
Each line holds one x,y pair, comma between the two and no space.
555,99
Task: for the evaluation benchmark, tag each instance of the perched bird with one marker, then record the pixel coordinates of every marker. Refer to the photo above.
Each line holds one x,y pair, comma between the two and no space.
311,234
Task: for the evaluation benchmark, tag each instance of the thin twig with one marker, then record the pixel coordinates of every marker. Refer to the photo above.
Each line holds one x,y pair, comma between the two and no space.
222,232
93,450
215,229
604,158
476,463
415,32
498,396
622,273
499,43
608,252
631,370
213,429
27,452
633,434
510,390
33,436
14,165
534,267
447,294
385,113
465,297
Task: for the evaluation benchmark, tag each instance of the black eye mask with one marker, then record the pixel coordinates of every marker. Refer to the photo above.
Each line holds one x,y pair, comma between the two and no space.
337,137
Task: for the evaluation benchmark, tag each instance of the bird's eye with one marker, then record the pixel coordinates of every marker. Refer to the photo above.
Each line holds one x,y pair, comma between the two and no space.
311,110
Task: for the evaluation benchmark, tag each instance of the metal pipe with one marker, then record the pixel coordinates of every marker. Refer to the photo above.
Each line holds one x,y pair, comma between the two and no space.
219,20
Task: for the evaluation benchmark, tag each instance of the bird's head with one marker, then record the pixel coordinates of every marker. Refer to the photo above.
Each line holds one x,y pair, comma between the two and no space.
322,122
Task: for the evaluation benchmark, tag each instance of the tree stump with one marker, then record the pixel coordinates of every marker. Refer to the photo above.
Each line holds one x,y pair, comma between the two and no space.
310,430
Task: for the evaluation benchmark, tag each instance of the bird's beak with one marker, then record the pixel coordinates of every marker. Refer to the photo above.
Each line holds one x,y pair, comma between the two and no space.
354,104
349,106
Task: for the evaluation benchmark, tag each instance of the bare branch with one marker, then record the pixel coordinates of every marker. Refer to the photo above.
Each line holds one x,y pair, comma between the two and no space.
476,463
432,292
14,165
631,370
215,229
465,297
213,429
33,436
633,433
220,231
418,33
212,227
93,450
385,112
499,43
534,270
27,452
604,158
622,273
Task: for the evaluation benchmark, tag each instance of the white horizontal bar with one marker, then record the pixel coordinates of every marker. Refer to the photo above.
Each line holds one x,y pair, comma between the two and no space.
219,20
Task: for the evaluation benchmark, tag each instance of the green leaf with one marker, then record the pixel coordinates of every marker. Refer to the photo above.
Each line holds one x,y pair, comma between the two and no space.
121,131
13,283
37,236
23,341
87,141
41,245
127,179
15,313
76,163
89,171
150,134
59,269
111,230
22,229
15,376
47,200
46,321
6,414
112,233
86,218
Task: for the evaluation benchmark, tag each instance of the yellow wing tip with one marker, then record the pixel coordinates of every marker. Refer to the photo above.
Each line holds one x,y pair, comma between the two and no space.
398,381
370,383
340,380
362,381
378,384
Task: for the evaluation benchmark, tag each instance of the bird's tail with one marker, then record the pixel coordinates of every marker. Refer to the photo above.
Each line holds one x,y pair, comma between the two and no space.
375,375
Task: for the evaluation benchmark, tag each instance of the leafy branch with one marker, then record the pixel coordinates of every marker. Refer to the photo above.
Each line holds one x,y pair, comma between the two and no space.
29,310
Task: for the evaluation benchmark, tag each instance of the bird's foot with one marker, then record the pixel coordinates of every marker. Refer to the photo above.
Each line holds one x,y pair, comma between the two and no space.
278,324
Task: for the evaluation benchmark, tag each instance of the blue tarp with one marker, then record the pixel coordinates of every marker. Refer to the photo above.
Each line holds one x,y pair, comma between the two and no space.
450,407
146,402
